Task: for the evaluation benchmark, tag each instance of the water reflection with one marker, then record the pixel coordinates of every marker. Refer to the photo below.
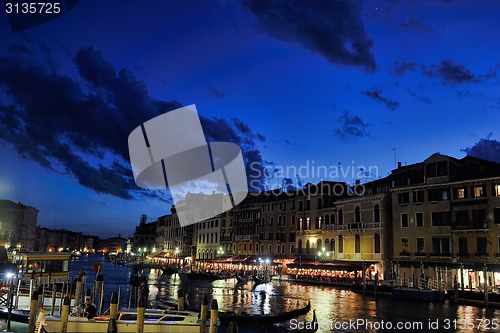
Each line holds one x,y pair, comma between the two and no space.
333,306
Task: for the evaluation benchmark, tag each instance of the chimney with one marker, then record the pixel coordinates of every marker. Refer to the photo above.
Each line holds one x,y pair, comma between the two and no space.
399,165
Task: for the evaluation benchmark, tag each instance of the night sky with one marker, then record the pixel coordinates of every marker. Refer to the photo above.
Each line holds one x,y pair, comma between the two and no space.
363,84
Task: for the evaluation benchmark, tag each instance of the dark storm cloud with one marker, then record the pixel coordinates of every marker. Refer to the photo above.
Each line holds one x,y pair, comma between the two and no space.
219,129
216,92
453,73
332,28
376,94
400,68
486,149
352,127
51,119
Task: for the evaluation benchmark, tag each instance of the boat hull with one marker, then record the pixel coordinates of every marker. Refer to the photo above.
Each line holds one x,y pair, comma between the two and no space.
82,324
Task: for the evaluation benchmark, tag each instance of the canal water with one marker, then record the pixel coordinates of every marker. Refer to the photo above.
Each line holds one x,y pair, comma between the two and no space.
337,310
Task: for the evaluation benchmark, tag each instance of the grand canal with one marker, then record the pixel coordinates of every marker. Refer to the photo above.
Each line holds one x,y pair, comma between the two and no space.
337,310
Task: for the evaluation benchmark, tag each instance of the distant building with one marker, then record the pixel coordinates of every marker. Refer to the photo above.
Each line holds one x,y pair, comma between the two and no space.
144,236
17,225
57,240
114,244
172,239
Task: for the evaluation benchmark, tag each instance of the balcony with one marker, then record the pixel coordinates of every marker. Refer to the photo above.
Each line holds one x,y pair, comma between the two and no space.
356,225
404,254
481,255
483,226
441,254
420,254
309,232
243,237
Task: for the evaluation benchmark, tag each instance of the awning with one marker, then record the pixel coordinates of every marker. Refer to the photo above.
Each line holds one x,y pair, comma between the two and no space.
338,265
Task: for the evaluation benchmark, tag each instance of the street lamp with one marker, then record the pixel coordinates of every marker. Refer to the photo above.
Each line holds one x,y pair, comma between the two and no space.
220,252
176,252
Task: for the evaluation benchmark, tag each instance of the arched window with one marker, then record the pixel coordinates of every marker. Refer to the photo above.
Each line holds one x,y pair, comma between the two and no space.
320,243
357,215
332,244
376,213
308,246
300,246
327,219
341,217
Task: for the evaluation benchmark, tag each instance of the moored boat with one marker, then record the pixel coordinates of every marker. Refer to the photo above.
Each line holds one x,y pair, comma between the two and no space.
261,279
241,279
158,321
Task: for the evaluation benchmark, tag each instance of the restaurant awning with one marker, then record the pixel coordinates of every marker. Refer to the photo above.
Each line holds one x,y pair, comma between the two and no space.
337,265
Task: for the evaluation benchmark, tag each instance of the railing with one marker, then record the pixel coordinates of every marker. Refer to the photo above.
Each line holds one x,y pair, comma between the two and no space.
356,226
433,284
353,226
310,232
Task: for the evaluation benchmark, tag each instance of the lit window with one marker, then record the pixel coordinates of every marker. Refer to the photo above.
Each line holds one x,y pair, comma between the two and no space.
404,245
461,193
497,190
479,191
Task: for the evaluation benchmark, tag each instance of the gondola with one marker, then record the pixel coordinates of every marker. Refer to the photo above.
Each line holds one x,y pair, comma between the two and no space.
226,317
241,279
168,270
261,279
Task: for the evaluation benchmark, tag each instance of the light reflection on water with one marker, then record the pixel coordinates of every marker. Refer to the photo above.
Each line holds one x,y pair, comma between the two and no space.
333,306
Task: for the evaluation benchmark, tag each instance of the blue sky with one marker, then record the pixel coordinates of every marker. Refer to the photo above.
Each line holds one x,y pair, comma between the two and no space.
293,83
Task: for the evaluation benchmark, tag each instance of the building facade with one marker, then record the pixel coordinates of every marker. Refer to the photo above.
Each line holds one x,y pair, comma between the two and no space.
18,224
446,221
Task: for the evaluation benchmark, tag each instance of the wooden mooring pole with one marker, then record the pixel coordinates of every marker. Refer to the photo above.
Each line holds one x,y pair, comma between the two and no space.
204,314
180,300
140,315
113,310
33,307
214,316
65,315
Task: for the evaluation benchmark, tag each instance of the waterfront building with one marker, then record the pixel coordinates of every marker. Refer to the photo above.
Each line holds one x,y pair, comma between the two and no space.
446,221
312,205
144,239
278,228
172,240
226,234
58,240
356,229
17,225
246,229
114,244
208,238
